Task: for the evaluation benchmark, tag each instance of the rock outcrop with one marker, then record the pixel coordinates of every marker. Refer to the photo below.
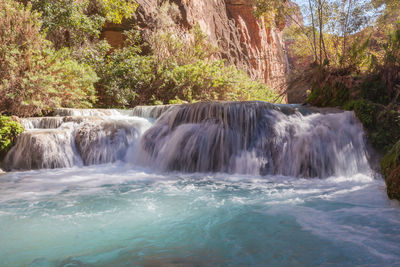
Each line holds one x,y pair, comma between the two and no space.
243,39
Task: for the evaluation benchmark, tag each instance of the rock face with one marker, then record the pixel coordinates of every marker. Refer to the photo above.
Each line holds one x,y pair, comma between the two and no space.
243,39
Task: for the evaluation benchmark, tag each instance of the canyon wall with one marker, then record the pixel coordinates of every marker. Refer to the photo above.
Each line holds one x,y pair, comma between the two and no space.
243,39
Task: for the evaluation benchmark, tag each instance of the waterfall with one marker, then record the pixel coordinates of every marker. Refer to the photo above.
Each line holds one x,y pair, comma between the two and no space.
233,137
75,138
256,138
153,112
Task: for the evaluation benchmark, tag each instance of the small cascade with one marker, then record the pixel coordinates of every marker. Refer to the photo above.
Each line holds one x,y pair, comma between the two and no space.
42,123
75,138
255,138
107,140
39,149
64,112
153,112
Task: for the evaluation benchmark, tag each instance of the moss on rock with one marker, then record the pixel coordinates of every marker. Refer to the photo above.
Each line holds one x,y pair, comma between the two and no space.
381,124
390,165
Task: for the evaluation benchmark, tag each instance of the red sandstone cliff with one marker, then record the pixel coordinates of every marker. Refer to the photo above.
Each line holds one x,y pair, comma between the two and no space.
243,39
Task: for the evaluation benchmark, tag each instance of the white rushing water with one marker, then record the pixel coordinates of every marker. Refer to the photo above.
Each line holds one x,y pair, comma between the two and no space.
239,137
192,185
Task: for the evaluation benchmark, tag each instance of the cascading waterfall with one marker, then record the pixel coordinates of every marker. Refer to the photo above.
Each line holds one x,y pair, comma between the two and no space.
255,138
75,138
234,137
204,184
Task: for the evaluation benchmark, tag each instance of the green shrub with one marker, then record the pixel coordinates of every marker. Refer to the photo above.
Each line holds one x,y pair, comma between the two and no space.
130,79
9,130
204,81
333,94
127,79
72,23
67,22
34,77
374,89
116,10
175,71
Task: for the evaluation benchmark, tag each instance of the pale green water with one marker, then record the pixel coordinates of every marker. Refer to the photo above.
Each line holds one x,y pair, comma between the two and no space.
119,215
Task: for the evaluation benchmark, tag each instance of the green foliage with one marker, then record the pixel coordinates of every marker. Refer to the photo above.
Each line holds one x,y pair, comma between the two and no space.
168,45
175,71
74,23
68,22
329,88
130,78
273,11
391,160
390,166
389,70
374,89
35,78
392,46
329,95
373,94
116,10
9,130
204,81
357,56
127,78
39,75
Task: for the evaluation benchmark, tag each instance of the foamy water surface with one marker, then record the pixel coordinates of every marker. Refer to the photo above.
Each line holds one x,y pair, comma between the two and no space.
121,215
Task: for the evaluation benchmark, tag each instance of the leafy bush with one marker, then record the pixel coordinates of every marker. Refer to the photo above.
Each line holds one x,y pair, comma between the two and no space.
116,10
34,77
9,130
175,70
204,81
130,78
127,78
67,22
72,23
